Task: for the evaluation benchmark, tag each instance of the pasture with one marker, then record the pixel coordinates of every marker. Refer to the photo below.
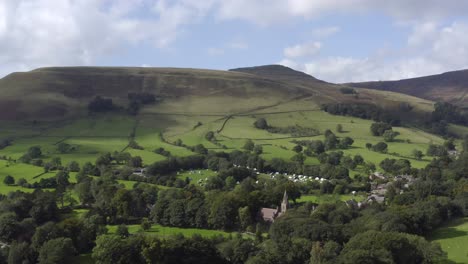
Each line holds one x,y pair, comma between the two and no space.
164,231
159,128
453,238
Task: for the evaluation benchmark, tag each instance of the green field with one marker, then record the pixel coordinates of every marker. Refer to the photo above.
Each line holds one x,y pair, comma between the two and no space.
453,238
158,128
330,198
168,231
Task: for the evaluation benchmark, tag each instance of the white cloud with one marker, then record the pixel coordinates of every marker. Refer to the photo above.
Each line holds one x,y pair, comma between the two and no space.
325,32
267,12
302,50
38,33
431,49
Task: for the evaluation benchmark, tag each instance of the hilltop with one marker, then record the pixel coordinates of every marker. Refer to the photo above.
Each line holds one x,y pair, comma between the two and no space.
63,92
449,87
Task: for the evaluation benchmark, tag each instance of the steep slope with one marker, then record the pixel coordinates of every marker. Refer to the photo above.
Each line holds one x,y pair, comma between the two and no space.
333,92
58,92
449,87
64,92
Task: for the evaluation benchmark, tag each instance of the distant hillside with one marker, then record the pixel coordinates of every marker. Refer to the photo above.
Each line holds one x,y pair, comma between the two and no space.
63,92
449,87
280,73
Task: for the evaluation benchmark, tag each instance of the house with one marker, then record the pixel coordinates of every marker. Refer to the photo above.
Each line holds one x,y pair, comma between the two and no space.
270,214
377,175
140,172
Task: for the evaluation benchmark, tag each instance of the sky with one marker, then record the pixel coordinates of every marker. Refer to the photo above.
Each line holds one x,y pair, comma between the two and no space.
333,40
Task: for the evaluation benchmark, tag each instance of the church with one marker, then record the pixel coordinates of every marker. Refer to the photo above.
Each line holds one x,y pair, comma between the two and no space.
270,214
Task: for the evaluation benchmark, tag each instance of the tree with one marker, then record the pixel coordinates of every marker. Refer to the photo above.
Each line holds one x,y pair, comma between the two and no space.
100,104
9,180
22,182
358,159
436,150
379,128
63,147
331,141
417,154
200,149
297,148
449,144
210,136
389,135
122,231
345,142
34,152
368,146
73,166
58,250
261,123
380,147
135,162
249,145
258,149
299,158
9,227
145,224
339,128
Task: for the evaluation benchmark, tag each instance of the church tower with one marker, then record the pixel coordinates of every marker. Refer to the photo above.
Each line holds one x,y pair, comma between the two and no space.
285,203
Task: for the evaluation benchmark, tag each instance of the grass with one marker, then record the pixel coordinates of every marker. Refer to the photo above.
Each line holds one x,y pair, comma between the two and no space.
453,239
195,176
322,198
168,231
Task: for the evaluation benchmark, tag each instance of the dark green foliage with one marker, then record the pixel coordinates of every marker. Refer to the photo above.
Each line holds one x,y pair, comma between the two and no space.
73,166
100,104
396,167
347,90
261,123
9,180
378,129
9,227
380,147
58,250
162,151
64,147
258,149
436,151
345,142
122,231
389,135
447,112
145,224
20,252
365,111
297,148
200,149
339,128
390,247
417,154
295,131
5,143
134,145
210,136
249,145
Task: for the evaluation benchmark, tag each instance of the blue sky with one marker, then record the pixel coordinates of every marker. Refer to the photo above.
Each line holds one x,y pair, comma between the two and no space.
334,40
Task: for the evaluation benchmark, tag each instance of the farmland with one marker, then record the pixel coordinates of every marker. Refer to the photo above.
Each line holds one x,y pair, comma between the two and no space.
111,133
453,237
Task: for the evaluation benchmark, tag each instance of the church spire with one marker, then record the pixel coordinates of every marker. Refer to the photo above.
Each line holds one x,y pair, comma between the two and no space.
285,202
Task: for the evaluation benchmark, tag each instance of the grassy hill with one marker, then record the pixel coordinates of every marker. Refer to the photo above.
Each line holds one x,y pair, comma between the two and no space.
62,93
450,87
195,103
